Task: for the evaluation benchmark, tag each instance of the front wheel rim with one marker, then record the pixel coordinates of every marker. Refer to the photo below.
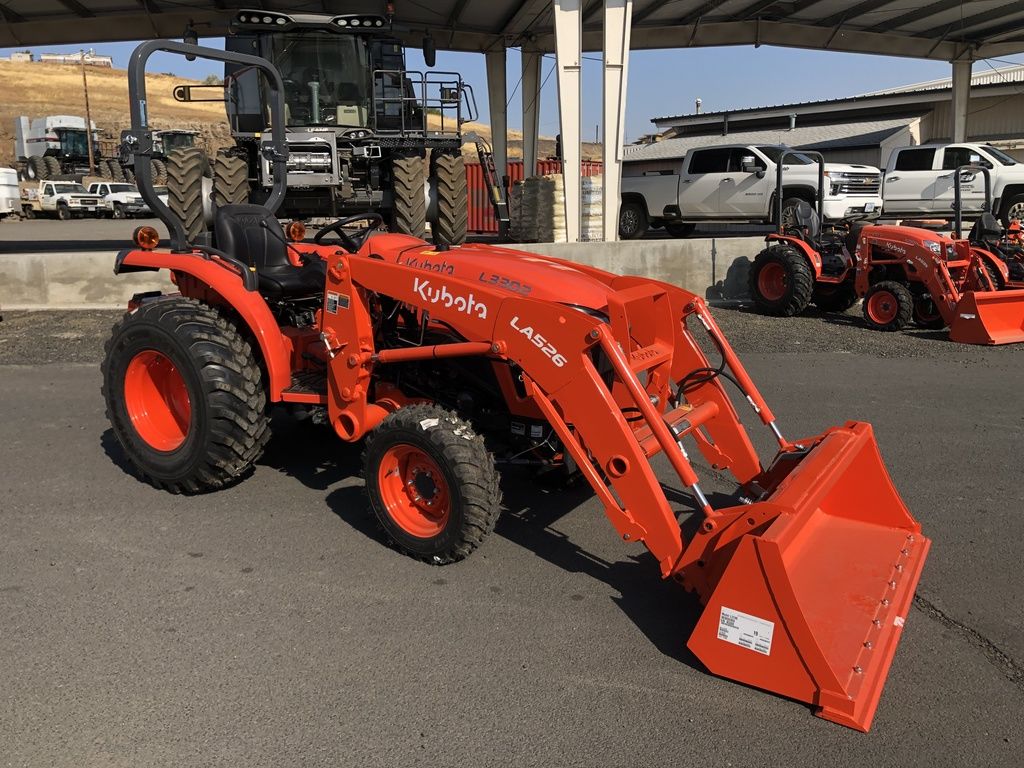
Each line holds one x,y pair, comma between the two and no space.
1016,211
157,401
882,307
414,491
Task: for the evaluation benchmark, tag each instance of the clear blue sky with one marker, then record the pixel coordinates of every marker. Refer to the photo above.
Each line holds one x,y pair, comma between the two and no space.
661,83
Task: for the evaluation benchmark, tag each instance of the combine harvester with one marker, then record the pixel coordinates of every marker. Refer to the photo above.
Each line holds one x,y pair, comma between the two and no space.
902,273
421,351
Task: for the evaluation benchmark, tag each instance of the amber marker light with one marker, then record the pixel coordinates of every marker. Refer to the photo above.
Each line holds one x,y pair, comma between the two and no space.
147,238
296,231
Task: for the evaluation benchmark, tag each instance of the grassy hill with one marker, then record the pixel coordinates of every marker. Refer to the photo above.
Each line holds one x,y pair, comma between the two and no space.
35,89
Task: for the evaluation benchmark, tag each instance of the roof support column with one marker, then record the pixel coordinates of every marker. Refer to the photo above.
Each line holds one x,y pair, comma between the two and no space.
618,16
531,110
569,60
961,98
497,101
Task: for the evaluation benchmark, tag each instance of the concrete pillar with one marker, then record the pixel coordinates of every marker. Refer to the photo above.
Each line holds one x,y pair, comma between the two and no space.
531,110
961,98
618,17
497,98
569,60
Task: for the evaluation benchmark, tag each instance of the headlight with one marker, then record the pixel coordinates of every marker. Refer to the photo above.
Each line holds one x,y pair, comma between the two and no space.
934,247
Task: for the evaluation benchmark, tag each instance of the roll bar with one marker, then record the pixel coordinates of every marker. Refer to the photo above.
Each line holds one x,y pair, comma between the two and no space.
820,160
139,140
986,206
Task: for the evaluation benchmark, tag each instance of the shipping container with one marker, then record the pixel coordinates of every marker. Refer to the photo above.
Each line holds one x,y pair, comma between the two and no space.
481,213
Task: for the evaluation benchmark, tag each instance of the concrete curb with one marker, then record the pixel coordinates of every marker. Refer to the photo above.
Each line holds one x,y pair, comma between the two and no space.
69,280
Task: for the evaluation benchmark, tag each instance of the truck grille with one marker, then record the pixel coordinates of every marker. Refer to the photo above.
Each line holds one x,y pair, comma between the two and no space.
860,184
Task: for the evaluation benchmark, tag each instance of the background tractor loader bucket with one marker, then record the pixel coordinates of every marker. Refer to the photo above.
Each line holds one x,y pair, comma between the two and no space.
989,317
810,586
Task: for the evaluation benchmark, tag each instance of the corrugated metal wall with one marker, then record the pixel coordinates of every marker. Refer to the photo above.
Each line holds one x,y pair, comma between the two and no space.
481,214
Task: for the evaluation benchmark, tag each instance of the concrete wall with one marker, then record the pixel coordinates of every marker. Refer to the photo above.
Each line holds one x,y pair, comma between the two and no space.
87,281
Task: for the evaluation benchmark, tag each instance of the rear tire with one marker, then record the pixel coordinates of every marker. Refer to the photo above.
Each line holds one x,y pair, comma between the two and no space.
408,200
230,180
35,168
184,396
159,171
432,484
781,282
888,306
449,174
679,229
103,169
52,167
632,221
838,298
185,188
117,171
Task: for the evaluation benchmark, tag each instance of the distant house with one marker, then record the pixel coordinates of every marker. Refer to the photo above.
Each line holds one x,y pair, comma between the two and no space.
92,58
858,129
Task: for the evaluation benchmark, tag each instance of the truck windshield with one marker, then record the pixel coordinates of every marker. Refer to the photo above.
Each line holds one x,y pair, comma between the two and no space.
72,142
774,153
326,78
68,187
173,141
121,188
999,155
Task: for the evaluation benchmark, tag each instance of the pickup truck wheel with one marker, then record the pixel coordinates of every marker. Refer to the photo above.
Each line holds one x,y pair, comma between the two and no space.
63,212
1014,209
888,306
679,229
789,206
119,211
28,212
781,282
632,221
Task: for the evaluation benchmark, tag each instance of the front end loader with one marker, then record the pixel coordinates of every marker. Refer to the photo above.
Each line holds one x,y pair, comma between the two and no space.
424,351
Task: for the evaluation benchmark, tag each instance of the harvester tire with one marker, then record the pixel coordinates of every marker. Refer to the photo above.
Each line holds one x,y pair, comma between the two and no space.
408,200
926,315
888,306
449,174
184,395
230,180
185,188
117,171
129,175
781,281
52,167
103,169
35,169
837,298
431,482
159,171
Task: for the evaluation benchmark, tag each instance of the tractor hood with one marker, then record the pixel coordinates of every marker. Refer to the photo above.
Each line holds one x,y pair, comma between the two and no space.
517,272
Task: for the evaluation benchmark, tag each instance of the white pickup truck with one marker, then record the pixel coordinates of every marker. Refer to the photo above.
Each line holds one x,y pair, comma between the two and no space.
120,200
62,199
919,181
736,183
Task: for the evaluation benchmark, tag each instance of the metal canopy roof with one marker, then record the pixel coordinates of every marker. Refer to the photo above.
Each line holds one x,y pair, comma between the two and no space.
936,29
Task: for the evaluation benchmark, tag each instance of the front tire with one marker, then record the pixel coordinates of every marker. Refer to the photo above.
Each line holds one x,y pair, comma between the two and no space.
52,166
449,174
888,306
119,212
230,180
432,483
408,198
781,282
184,396
63,212
185,188
632,221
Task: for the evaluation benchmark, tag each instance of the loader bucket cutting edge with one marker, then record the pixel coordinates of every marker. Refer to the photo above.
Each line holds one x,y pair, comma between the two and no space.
811,604
989,317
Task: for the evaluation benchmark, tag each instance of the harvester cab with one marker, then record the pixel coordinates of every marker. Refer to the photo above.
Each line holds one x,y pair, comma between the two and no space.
451,362
806,260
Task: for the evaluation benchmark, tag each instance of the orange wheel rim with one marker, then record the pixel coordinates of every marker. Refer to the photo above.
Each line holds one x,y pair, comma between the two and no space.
771,281
414,491
927,311
883,307
157,401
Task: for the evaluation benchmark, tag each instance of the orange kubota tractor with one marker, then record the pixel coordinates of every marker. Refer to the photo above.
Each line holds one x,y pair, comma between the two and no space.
422,351
1002,251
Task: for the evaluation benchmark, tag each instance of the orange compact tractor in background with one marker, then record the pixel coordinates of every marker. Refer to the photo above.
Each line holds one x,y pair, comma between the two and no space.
421,351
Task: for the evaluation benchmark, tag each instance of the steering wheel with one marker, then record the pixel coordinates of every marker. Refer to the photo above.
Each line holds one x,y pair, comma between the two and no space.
353,242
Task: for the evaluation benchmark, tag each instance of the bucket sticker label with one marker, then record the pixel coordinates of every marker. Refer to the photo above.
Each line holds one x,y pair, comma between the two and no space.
746,631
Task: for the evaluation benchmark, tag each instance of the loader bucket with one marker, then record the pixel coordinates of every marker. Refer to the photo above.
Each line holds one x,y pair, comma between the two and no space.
989,317
812,593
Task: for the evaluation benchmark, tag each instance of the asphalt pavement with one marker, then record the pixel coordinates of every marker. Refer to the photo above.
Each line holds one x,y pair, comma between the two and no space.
268,625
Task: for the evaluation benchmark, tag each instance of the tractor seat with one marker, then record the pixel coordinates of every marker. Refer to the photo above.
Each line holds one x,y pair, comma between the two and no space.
985,230
253,235
807,220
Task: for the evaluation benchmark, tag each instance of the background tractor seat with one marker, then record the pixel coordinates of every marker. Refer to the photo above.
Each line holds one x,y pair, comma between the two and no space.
986,230
253,235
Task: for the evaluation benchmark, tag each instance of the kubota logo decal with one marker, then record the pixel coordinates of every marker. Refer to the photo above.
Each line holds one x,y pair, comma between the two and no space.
896,248
443,296
539,342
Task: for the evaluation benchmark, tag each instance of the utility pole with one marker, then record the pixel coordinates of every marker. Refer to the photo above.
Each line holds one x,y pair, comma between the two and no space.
88,118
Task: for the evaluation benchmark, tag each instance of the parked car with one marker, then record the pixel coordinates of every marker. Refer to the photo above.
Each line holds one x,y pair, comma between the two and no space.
120,200
10,194
60,199
736,183
918,181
